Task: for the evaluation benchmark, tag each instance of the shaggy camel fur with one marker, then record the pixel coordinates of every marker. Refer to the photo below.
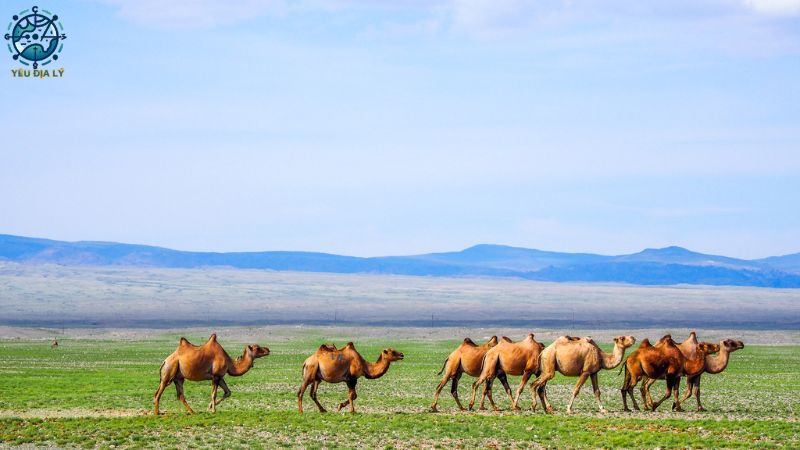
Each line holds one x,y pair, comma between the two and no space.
578,357
694,354
204,362
335,366
664,360
467,358
508,358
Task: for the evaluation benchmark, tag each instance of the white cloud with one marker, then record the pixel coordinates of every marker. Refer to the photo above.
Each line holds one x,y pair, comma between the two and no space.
194,13
778,8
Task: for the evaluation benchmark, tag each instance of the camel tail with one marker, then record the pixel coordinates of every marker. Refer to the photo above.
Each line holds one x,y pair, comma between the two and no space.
443,366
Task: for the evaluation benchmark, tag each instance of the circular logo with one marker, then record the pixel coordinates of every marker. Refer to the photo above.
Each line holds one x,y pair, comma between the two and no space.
35,37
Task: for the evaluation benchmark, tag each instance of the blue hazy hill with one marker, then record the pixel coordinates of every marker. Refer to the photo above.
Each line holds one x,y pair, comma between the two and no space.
665,266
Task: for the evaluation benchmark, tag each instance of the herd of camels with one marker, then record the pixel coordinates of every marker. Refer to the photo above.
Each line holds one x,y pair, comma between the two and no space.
495,359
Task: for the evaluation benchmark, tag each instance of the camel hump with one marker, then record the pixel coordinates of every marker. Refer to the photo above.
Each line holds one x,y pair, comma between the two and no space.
469,341
350,345
645,343
572,338
492,340
692,337
327,348
213,337
184,341
507,339
529,336
589,340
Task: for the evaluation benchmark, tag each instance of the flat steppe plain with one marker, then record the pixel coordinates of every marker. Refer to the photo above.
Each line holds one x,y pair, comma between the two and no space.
115,326
95,390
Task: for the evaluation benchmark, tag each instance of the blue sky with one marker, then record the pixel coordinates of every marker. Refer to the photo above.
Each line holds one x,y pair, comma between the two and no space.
379,127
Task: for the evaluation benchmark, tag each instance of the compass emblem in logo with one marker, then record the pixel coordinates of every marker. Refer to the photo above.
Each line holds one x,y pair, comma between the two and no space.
35,37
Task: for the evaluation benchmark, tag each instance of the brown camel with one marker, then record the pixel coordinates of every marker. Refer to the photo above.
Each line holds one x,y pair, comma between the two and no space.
467,358
654,361
508,358
694,354
713,365
578,357
337,365
204,362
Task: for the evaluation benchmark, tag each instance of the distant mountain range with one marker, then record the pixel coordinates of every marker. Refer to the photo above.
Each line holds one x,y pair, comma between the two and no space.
663,266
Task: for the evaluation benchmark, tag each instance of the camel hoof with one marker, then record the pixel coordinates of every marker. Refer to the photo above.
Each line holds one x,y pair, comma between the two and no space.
626,410
701,409
482,408
434,409
549,410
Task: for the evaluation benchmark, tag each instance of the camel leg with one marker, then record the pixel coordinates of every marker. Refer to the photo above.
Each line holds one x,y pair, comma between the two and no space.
647,399
624,390
670,386
697,393
487,392
300,393
314,386
225,390
541,389
504,381
161,386
514,401
645,391
167,375
676,405
577,390
540,392
439,388
454,389
351,396
447,377
213,405
596,389
181,397
627,389
481,379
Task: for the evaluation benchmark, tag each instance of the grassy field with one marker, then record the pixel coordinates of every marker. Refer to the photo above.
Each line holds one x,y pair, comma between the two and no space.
90,393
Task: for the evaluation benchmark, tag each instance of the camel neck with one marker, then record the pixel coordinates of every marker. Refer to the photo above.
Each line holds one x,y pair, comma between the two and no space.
241,365
612,360
377,369
716,364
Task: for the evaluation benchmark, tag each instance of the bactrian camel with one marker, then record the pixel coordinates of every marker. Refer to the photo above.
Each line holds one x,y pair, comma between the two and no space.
713,365
204,362
578,357
341,365
694,354
508,358
663,360
467,358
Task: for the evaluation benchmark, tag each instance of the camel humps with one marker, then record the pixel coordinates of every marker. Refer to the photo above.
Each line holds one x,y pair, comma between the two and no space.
663,360
508,358
577,357
342,365
204,362
467,358
694,354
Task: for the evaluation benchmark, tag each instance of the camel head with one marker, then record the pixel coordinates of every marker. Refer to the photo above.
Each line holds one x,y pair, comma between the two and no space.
256,351
624,341
731,345
392,355
708,348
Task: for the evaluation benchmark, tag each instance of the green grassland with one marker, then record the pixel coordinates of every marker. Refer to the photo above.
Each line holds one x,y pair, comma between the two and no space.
98,393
